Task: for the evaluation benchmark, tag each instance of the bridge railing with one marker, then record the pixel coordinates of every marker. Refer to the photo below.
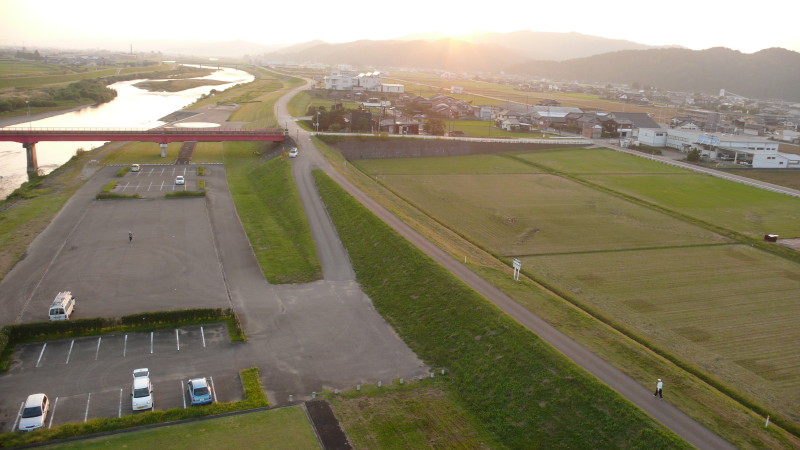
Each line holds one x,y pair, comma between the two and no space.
172,131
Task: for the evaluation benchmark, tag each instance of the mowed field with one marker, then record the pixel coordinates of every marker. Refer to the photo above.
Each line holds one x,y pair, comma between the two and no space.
726,308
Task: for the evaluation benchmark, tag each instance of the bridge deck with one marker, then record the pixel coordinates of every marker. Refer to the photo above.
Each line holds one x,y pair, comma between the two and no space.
159,135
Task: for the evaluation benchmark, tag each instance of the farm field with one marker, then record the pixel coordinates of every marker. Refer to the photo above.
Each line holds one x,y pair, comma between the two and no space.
787,178
729,309
723,307
538,214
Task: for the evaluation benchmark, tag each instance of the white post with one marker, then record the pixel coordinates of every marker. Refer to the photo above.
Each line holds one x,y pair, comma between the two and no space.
767,424
163,150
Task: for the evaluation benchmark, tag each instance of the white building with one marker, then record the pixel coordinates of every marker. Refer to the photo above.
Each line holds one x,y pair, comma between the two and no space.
654,137
345,80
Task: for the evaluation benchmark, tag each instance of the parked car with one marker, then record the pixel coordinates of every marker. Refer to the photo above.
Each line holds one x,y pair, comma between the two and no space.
199,391
180,180
293,152
142,391
135,167
34,412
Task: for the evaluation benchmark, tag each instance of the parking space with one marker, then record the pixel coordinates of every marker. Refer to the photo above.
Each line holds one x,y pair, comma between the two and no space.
155,181
94,373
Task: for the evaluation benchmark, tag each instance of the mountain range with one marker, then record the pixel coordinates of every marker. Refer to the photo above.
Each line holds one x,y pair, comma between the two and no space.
769,73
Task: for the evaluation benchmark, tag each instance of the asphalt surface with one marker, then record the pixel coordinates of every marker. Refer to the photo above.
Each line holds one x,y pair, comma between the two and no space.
634,390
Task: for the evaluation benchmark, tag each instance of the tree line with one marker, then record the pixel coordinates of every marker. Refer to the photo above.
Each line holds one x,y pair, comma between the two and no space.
86,91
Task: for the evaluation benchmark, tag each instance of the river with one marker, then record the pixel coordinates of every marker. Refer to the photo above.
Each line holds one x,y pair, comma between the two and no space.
132,108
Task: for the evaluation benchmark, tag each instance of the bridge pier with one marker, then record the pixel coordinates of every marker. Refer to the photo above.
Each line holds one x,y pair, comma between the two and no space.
33,164
163,150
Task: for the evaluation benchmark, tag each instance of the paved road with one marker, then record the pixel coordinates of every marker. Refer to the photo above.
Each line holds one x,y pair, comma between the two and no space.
633,390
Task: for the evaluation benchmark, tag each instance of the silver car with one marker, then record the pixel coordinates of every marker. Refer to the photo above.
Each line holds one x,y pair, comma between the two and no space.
34,412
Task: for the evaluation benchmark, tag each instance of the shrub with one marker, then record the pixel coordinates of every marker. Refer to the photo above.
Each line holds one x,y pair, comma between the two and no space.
201,170
123,170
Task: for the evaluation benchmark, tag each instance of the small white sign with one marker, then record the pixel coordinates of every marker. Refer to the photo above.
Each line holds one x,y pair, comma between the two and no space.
517,264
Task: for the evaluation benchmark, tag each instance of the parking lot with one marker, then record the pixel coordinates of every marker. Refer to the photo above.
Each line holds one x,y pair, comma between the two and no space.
157,180
67,372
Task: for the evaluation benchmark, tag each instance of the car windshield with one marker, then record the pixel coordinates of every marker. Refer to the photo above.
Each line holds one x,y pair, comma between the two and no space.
33,411
141,392
201,391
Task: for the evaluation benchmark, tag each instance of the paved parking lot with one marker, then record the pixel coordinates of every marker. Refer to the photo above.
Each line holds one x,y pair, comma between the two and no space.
92,376
157,180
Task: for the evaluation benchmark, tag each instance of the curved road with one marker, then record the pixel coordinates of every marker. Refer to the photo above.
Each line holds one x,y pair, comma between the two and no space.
336,264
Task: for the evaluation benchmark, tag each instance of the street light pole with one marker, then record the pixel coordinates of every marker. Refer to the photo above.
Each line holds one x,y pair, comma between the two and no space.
29,114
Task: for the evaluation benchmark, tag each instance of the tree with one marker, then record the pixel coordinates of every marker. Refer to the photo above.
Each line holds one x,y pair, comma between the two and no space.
435,127
693,155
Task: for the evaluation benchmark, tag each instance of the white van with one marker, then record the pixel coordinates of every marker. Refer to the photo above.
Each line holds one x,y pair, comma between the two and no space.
62,306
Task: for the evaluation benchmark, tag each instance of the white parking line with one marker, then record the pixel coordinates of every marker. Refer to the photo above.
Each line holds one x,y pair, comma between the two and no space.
88,399
151,185
124,187
40,354
162,170
19,416
213,391
177,339
119,414
162,186
151,342
53,413
203,335
183,395
125,347
97,352
70,351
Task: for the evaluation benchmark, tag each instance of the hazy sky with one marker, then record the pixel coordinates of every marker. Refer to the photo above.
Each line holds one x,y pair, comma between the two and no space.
696,24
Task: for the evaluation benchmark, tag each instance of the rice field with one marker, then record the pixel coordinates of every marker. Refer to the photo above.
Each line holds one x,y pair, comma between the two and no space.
731,310
723,307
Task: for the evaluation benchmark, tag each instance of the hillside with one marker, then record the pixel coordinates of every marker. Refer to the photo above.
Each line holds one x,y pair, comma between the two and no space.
770,73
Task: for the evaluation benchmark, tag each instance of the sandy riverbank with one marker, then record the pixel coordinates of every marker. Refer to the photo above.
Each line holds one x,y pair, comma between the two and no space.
10,121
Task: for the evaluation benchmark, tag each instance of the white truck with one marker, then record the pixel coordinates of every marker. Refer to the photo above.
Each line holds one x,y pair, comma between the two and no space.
63,306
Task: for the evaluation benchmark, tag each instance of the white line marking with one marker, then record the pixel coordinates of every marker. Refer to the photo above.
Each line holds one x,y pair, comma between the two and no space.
162,170
125,347
177,339
53,413
203,335
183,395
97,353
70,351
213,391
151,342
88,399
19,416
119,414
40,354
151,185
162,186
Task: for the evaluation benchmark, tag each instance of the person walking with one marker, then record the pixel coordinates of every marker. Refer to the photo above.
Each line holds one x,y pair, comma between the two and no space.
130,236
659,389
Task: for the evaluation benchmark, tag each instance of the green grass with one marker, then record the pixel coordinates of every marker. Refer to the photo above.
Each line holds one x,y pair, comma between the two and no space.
272,215
473,164
299,104
521,389
176,85
35,81
598,161
14,68
735,206
486,129
419,415
284,428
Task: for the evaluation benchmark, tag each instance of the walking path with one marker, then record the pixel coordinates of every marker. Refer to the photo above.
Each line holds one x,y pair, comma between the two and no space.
670,416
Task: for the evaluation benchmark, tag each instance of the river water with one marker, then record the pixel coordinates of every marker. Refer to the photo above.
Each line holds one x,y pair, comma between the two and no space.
133,108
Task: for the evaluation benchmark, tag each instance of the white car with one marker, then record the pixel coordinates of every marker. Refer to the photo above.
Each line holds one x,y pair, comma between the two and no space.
34,412
180,180
135,167
142,391
293,152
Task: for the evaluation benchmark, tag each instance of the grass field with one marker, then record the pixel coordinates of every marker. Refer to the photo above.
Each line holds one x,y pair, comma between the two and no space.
409,416
175,85
36,81
787,178
14,68
299,104
730,293
150,153
730,309
284,428
521,389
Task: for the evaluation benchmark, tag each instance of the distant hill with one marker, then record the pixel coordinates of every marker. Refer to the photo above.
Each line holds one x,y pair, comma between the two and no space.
225,49
542,45
444,54
770,73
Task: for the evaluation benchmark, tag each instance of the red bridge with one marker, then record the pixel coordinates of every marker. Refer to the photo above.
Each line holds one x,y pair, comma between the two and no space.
28,137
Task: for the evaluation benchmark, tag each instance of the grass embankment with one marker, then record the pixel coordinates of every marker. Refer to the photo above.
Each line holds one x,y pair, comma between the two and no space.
284,428
254,397
520,388
272,215
176,85
418,415
606,276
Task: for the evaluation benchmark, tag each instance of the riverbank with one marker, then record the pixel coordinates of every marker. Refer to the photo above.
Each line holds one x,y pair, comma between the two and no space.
25,118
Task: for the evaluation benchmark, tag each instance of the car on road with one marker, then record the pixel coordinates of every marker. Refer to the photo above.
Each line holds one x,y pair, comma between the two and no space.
142,391
293,152
34,412
180,180
199,391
